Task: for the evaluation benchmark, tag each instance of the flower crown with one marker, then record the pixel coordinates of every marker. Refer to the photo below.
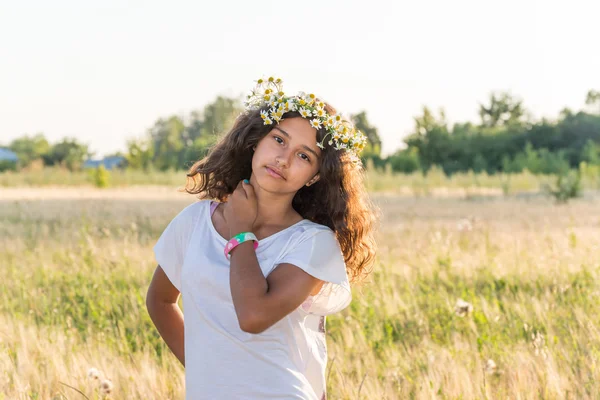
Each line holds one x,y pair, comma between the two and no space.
269,96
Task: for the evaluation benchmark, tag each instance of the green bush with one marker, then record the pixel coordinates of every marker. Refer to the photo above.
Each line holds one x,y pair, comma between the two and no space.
567,186
101,177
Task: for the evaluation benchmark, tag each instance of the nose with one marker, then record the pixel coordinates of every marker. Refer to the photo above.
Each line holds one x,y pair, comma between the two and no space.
283,159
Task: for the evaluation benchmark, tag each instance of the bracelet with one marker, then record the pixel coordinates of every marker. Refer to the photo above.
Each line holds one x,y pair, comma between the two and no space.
237,240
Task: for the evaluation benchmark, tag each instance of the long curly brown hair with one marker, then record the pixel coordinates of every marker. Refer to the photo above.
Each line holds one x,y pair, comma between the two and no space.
338,199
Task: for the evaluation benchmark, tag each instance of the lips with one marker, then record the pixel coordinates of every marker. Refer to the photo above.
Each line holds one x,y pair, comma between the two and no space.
275,172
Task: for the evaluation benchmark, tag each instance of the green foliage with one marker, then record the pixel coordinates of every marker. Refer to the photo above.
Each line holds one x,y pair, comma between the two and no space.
30,148
100,176
503,110
506,141
68,153
567,186
373,141
405,161
7,165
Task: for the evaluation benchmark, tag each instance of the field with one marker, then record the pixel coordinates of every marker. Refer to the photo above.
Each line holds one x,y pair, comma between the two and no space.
473,297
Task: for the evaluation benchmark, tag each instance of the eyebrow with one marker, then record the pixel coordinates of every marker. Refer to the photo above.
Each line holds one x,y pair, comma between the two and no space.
289,137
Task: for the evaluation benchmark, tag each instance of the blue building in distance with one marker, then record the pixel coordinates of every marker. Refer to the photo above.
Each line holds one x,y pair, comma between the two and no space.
108,162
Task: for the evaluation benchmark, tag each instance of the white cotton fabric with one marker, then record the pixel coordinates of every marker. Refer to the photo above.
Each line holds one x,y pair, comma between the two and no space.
286,361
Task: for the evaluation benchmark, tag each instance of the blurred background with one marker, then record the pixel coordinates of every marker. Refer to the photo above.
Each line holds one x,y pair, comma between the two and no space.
483,120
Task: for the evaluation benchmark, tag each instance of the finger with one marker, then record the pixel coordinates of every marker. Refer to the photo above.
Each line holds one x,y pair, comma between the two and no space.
242,187
249,188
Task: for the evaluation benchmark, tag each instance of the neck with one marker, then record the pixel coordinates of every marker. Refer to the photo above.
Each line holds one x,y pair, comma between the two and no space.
273,209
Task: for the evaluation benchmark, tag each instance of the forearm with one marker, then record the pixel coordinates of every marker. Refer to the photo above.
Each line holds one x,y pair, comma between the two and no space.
168,319
248,284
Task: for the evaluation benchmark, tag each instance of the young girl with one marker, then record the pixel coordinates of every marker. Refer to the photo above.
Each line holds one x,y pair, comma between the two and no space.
284,221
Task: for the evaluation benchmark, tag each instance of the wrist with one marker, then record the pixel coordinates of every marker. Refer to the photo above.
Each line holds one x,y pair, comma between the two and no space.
237,229
239,240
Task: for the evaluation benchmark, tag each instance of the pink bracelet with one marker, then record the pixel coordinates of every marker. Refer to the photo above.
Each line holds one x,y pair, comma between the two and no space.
237,240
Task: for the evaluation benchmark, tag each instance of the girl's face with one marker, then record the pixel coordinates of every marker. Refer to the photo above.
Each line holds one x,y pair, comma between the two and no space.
288,157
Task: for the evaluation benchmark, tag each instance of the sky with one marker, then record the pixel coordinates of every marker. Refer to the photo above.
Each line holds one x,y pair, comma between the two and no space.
105,71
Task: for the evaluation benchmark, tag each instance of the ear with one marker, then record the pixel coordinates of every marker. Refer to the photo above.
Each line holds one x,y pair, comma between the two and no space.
313,180
254,147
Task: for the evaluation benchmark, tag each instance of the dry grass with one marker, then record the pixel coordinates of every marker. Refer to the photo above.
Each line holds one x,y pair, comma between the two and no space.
75,267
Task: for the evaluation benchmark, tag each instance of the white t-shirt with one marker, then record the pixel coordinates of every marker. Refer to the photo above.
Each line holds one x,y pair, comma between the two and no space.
286,361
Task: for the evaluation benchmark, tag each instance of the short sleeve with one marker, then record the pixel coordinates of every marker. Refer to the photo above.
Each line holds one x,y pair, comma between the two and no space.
172,245
319,254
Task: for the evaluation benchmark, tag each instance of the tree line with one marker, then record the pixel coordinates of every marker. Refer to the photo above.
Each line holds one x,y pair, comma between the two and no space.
505,139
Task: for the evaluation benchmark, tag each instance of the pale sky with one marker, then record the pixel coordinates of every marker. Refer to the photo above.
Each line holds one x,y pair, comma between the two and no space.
104,71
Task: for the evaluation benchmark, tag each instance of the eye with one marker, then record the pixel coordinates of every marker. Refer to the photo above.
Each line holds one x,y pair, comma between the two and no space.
277,139
304,157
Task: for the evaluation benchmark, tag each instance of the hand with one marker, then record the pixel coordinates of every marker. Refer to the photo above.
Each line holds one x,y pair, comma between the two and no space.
241,210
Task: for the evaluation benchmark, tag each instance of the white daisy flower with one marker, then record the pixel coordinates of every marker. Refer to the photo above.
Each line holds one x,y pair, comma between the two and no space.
315,123
264,114
292,106
320,146
319,112
268,121
305,112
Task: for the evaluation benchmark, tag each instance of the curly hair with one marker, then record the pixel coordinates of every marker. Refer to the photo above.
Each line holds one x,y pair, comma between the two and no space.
338,199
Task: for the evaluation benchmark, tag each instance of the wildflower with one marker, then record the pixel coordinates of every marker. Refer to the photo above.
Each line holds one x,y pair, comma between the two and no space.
315,123
490,366
463,308
106,387
305,112
93,373
319,112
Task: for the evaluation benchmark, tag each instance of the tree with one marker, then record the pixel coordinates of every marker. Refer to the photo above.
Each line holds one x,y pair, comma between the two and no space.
431,138
361,123
30,148
167,142
593,100
139,154
68,153
219,115
503,110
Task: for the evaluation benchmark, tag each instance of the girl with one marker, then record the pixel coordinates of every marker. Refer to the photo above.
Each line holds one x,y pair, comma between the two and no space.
284,223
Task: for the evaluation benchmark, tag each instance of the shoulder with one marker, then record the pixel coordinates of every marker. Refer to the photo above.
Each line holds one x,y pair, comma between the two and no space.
195,209
191,213
309,237
307,229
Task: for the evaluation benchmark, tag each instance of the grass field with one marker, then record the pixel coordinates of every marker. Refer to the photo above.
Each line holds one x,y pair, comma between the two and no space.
472,297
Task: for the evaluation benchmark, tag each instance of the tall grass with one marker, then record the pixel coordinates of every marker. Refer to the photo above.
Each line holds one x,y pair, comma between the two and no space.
73,276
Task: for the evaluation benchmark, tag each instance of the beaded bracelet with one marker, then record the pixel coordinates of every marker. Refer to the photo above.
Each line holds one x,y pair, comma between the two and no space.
237,240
